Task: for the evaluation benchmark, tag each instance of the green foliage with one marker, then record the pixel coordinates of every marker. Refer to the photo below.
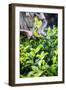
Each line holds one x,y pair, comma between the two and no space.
39,57
37,25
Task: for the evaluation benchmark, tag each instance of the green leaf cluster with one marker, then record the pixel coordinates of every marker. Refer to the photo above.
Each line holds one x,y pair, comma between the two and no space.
39,57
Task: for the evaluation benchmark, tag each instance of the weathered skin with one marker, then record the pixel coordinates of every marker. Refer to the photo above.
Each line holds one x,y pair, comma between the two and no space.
27,23
28,33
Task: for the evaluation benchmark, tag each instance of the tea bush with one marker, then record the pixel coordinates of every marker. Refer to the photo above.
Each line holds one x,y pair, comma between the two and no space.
39,56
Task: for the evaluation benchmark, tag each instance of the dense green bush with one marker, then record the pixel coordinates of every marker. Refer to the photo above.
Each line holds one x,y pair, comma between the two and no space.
39,56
